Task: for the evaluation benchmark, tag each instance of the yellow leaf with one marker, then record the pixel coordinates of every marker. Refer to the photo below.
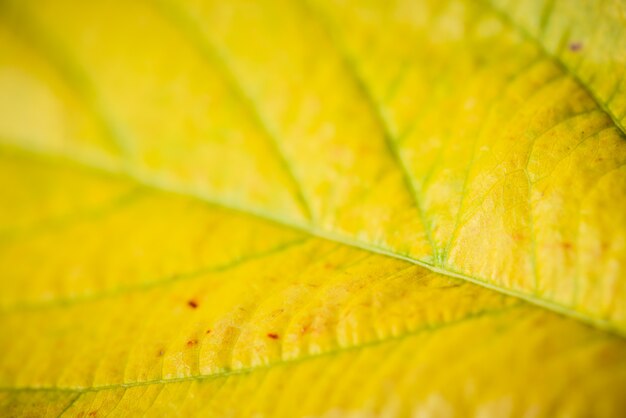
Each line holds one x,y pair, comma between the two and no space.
312,208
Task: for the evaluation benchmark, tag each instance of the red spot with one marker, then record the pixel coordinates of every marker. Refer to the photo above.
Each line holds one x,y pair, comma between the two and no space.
272,336
192,343
575,46
192,303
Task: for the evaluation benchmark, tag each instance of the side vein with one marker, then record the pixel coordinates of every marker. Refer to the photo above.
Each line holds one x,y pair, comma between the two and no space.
390,140
510,20
248,370
174,189
187,26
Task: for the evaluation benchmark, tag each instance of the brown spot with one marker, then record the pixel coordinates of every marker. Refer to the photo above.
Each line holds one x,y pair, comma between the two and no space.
160,353
93,413
575,46
518,237
567,245
208,331
192,343
272,336
192,303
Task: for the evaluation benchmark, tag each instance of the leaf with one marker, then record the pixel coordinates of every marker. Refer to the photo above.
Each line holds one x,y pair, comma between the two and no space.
284,208
200,310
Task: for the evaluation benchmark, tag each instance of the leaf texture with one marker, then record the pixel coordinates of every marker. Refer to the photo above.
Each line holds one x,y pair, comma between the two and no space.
218,208
255,318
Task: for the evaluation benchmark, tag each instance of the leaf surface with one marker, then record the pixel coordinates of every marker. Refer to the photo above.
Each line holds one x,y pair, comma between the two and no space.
256,318
258,206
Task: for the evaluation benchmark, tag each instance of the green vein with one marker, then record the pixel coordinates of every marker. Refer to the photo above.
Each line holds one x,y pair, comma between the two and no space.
188,26
70,404
174,189
282,363
90,213
147,180
510,20
154,283
509,82
390,141
546,13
